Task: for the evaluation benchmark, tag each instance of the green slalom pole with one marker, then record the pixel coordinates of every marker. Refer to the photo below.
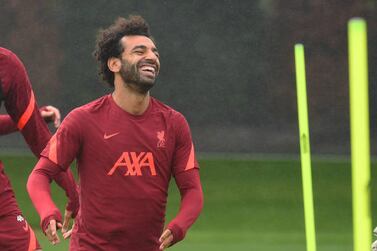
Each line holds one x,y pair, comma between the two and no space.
358,75
305,148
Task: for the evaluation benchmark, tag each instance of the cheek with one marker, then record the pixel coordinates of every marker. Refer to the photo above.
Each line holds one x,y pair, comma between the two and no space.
130,66
159,66
135,67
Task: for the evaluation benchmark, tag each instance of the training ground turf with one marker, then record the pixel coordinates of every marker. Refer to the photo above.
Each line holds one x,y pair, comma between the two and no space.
249,205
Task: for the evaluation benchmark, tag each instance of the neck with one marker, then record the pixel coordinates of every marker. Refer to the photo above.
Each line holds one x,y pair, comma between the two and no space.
130,100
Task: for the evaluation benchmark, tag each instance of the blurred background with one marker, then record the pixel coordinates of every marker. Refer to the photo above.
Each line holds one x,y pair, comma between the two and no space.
228,66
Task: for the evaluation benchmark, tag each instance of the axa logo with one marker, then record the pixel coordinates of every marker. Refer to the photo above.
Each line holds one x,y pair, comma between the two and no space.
131,164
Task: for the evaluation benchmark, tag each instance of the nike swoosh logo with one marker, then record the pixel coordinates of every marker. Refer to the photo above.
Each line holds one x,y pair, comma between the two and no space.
105,136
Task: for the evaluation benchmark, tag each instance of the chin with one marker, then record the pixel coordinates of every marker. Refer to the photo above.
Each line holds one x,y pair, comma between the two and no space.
145,86
147,81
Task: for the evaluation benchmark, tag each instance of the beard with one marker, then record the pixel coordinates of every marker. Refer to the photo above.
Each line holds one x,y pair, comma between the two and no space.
132,77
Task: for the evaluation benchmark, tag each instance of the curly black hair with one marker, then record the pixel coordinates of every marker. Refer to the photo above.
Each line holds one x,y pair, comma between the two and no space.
108,42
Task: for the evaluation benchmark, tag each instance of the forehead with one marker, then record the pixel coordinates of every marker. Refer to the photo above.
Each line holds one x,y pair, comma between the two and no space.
130,42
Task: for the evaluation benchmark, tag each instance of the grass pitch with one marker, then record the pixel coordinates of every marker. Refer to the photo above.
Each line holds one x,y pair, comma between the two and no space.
249,205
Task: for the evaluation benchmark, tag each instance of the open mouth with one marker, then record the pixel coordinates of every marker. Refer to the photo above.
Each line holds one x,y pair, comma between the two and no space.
150,69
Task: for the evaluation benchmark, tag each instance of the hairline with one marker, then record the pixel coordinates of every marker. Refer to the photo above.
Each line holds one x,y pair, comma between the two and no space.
134,35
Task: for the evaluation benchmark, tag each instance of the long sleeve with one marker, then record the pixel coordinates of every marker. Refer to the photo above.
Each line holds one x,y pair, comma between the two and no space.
191,203
66,181
23,110
8,126
38,187
20,102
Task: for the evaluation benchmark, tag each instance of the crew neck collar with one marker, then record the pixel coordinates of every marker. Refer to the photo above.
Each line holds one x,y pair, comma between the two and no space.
118,109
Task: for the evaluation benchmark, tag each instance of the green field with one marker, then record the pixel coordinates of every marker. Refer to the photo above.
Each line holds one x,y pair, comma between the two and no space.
249,205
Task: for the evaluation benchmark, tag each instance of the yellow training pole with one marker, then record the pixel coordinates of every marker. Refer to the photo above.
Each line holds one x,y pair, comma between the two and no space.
358,75
305,147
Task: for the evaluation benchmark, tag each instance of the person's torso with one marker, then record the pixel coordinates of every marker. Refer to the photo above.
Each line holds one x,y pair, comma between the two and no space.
125,165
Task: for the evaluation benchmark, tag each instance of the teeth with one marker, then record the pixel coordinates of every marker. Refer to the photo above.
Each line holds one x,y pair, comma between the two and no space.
148,68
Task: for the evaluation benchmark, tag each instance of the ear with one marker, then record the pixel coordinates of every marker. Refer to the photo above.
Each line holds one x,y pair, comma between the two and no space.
114,64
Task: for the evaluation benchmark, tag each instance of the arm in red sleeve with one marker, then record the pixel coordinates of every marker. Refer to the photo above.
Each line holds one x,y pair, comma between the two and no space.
66,181
20,101
38,187
7,125
191,203
23,110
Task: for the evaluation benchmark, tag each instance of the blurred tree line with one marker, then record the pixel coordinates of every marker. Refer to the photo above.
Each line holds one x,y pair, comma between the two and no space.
227,65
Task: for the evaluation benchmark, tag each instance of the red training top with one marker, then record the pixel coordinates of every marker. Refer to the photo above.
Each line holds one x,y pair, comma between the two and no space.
125,163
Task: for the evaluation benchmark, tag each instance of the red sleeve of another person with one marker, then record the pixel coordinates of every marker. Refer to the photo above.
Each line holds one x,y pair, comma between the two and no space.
22,108
7,125
186,174
20,102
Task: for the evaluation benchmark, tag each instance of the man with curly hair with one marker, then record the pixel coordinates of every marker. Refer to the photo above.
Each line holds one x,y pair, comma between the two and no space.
127,145
25,116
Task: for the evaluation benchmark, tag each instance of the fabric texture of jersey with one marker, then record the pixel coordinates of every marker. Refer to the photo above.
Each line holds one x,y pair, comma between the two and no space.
19,101
16,234
17,95
125,163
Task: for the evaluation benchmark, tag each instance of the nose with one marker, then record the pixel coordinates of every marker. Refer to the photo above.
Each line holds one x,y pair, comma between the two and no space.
151,55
